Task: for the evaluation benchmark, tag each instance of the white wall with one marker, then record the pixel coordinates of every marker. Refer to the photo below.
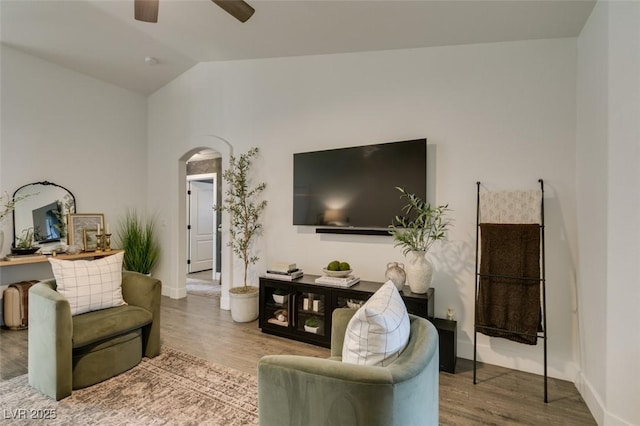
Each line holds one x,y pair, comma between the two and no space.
623,263
623,266
502,113
64,127
608,154
591,188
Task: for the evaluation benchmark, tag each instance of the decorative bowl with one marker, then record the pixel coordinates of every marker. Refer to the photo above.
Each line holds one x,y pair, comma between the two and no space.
21,251
337,274
311,329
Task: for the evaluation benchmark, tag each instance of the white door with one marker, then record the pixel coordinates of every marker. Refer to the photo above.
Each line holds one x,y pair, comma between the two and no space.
201,227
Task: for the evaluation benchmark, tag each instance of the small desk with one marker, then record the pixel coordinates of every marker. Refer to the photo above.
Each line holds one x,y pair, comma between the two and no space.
45,258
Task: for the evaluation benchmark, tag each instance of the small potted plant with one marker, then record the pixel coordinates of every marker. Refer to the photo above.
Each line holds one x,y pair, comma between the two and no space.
25,243
416,231
280,296
137,237
312,325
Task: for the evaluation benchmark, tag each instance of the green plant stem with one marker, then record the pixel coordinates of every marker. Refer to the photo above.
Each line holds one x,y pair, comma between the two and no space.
428,225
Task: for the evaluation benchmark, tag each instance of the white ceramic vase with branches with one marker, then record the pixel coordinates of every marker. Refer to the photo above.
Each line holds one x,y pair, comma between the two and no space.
416,231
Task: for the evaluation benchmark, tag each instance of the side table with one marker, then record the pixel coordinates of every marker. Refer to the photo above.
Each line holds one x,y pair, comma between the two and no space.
447,330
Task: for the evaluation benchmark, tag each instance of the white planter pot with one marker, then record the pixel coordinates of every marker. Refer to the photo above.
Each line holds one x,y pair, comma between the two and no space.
280,298
311,329
419,272
244,306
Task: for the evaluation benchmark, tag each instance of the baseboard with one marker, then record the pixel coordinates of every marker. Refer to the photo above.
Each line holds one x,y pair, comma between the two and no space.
613,420
513,360
174,292
591,398
225,302
595,404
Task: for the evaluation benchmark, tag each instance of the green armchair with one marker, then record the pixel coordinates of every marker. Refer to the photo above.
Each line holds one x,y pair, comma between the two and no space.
297,390
68,352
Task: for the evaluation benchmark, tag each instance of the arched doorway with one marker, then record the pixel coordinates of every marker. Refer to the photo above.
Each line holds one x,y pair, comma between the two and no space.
223,150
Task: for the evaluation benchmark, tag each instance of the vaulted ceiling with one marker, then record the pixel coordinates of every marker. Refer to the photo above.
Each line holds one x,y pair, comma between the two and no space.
101,38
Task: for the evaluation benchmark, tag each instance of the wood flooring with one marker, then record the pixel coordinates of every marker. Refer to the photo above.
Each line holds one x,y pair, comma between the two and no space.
198,326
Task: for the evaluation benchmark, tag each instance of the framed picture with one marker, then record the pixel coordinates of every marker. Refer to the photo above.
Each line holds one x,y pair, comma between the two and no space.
89,239
78,223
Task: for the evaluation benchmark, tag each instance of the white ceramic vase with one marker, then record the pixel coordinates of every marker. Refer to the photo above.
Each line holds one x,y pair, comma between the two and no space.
244,306
419,272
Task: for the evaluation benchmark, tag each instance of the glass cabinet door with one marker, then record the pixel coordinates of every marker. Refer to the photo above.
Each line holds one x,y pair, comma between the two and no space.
350,300
310,313
277,305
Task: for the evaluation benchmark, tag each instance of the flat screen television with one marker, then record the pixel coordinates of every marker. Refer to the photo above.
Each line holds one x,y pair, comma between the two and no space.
355,188
47,223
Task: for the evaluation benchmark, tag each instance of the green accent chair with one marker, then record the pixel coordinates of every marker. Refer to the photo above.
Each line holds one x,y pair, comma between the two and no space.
68,352
298,390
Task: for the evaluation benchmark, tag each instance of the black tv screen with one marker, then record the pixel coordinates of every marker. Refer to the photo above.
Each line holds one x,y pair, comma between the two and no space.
356,186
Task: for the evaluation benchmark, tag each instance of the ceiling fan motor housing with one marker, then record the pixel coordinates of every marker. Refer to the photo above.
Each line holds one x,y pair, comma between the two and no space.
147,10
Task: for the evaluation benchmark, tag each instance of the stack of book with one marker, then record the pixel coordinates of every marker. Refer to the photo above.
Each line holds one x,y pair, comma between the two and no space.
338,281
283,271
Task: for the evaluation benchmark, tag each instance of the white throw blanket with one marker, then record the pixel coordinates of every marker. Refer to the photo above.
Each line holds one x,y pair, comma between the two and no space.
510,206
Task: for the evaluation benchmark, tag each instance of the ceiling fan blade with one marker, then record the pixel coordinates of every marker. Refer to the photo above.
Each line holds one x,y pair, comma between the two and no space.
146,10
236,8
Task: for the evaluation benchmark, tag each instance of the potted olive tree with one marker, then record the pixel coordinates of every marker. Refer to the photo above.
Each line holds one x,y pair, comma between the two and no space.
137,237
416,231
245,208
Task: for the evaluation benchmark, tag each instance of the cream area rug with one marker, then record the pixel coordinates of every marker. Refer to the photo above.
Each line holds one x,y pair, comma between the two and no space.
173,388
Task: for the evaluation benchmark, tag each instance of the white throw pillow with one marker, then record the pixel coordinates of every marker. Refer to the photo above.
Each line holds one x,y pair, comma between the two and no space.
379,330
90,285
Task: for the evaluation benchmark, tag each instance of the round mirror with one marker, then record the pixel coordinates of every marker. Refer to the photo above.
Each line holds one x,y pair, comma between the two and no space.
41,209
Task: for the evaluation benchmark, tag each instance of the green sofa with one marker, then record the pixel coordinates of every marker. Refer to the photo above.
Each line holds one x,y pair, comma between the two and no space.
68,352
297,390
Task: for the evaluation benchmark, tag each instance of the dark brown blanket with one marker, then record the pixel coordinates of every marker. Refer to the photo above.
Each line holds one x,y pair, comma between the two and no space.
512,304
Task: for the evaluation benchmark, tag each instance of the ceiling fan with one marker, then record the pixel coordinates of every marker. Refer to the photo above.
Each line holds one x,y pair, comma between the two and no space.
147,10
